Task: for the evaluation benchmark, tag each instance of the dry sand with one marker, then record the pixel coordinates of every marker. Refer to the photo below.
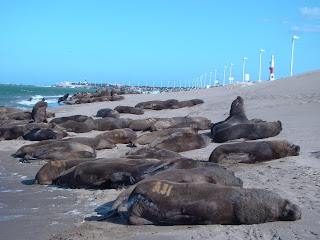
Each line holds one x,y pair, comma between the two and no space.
295,101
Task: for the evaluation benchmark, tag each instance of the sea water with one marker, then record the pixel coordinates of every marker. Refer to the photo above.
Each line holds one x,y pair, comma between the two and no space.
26,96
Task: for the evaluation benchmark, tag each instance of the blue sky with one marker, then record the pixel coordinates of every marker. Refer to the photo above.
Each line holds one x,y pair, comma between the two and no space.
44,42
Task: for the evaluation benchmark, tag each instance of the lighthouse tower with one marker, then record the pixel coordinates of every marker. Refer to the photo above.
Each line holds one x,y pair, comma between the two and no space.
271,78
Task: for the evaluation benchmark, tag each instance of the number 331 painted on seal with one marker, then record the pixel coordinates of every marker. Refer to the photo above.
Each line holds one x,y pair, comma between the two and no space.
165,190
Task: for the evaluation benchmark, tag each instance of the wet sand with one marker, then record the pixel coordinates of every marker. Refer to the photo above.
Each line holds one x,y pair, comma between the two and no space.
294,101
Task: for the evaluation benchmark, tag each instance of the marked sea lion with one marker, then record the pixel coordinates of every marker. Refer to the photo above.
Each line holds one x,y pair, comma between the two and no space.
38,113
251,152
167,203
96,174
39,134
210,174
237,115
249,131
150,152
181,142
107,112
130,110
149,137
108,123
52,170
124,136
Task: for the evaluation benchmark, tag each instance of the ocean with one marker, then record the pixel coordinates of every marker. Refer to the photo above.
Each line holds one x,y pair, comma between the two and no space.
26,96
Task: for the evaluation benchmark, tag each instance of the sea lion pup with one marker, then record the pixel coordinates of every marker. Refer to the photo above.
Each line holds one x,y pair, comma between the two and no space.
38,113
52,170
78,127
251,152
107,112
128,109
181,142
109,123
168,203
47,149
39,134
237,115
248,131
123,136
76,118
149,137
96,174
9,133
150,152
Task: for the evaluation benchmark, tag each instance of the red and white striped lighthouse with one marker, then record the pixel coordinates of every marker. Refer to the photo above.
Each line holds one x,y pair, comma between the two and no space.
271,78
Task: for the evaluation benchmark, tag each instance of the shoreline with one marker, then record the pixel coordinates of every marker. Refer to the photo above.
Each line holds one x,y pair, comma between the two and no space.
294,101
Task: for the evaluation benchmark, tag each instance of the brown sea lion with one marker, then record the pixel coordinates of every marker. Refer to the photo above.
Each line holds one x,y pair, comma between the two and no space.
109,123
150,152
149,137
39,134
251,152
249,131
187,103
9,133
38,113
199,123
143,124
63,98
210,174
96,174
6,110
52,170
107,112
181,142
96,142
124,136
237,115
157,105
18,115
76,118
167,203
62,153
78,127
128,109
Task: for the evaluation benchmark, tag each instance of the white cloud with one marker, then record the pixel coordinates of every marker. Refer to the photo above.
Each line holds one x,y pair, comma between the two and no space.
306,28
310,13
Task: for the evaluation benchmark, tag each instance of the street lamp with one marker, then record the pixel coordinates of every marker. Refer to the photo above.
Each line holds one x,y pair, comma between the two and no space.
261,50
215,77
224,75
294,37
244,62
210,78
230,79
205,79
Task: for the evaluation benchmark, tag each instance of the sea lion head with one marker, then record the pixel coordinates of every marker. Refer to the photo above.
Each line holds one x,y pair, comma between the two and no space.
290,212
237,106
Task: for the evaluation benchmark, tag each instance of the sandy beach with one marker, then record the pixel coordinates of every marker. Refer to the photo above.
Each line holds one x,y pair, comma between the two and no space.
30,211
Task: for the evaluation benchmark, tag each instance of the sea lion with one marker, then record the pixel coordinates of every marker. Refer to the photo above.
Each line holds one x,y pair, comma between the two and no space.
251,152
123,136
167,203
199,123
181,142
78,127
128,109
76,118
9,133
96,174
109,123
187,103
6,110
38,113
237,115
52,170
42,149
151,152
62,153
16,115
210,174
63,98
107,112
96,142
149,137
142,124
39,134
249,131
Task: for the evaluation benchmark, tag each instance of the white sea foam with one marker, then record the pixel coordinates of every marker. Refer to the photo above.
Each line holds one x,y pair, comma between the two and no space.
11,191
11,217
